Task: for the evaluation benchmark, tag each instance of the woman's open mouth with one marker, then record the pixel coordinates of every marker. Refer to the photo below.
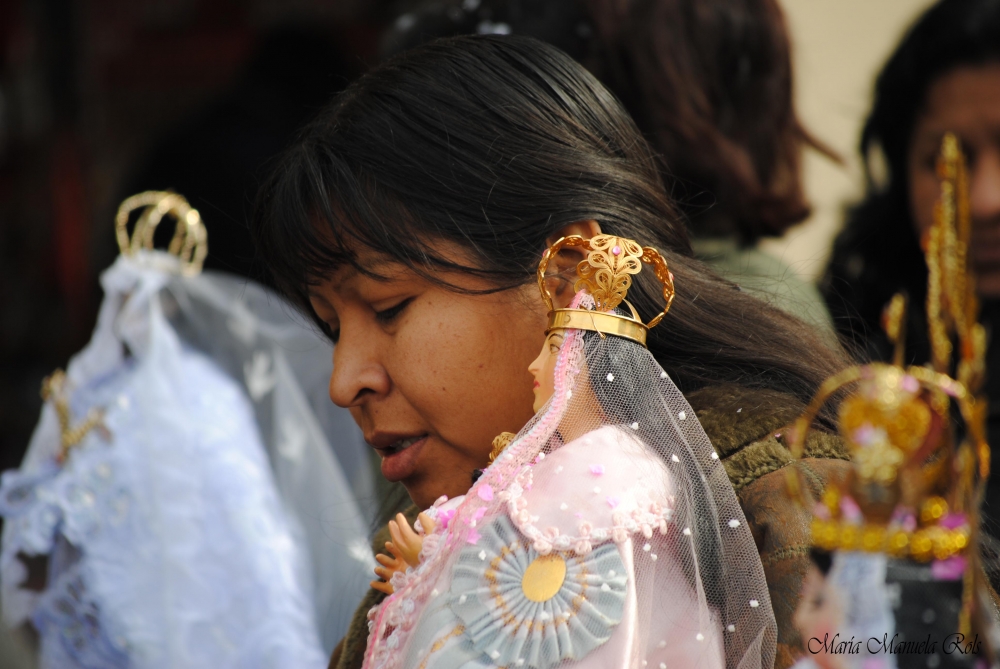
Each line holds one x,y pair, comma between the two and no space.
400,458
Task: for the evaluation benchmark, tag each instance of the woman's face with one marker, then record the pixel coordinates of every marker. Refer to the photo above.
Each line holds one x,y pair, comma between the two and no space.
966,101
429,374
543,368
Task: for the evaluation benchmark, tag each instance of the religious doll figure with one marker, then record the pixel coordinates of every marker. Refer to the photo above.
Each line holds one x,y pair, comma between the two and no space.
899,534
819,614
604,534
147,502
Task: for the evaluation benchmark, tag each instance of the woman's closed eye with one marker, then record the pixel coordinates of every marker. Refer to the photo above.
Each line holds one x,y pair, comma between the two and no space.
387,316
332,333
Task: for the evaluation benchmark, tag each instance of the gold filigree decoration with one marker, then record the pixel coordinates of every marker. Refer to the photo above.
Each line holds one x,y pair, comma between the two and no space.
500,442
190,240
54,391
606,272
928,543
952,306
916,481
894,324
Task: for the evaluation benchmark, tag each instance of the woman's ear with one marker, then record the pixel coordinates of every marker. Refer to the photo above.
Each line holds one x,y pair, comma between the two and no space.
585,229
562,268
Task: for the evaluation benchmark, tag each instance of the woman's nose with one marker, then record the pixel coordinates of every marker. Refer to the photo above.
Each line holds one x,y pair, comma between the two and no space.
358,373
984,188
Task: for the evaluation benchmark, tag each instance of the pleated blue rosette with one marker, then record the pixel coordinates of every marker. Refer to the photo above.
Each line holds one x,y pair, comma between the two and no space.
488,596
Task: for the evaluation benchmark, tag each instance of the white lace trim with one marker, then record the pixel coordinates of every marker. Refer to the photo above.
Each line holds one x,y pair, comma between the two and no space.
623,523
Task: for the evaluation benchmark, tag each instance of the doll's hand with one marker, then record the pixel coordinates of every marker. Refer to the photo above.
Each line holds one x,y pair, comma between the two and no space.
387,567
427,525
405,550
406,543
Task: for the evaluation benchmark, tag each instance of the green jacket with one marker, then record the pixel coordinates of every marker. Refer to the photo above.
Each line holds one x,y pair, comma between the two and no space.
744,426
765,277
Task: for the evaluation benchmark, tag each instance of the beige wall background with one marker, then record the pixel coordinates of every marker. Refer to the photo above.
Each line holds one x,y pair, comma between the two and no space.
839,46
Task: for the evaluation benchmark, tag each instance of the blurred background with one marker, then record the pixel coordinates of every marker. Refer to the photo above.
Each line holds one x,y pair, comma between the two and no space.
102,98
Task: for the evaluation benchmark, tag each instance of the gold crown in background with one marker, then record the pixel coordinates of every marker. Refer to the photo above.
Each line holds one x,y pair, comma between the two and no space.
190,240
908,491
606,273
914,488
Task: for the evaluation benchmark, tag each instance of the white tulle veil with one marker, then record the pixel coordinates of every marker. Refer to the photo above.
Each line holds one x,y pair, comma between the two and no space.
607,534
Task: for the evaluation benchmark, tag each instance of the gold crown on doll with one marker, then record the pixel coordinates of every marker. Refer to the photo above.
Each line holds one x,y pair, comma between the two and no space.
606,273
912,491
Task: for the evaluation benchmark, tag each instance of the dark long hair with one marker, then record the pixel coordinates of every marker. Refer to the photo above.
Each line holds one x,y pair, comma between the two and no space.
494,144
709,82
878,253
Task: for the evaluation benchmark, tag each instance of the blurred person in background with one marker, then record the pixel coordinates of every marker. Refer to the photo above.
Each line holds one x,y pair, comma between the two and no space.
709,83
943,77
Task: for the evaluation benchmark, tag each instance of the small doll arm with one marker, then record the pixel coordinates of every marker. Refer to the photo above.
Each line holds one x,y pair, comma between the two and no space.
404,549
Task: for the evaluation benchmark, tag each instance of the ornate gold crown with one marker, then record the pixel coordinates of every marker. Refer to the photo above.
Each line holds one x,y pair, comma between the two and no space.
606,273
190,240
909,491
915,487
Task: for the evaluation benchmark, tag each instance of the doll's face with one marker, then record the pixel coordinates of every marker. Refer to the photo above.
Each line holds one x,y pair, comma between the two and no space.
819,613
544,366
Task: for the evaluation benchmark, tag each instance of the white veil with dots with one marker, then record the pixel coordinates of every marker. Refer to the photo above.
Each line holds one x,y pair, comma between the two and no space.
607,534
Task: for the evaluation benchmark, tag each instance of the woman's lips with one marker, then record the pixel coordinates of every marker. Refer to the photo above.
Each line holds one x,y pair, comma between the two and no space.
537,385
399,466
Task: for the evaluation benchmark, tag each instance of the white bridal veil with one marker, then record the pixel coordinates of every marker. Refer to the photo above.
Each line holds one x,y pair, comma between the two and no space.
606,534
199,501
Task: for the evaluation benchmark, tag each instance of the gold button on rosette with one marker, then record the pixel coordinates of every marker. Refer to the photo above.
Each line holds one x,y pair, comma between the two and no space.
543,578
606,274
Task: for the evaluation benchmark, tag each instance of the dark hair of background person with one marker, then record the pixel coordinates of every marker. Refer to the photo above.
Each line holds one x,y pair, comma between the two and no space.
709,82
878,253
494,144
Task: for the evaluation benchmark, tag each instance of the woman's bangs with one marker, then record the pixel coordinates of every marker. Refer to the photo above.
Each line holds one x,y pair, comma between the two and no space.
311,227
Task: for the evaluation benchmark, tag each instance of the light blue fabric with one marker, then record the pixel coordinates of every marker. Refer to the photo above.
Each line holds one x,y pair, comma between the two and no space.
472,623
167,541
577,619
321,464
